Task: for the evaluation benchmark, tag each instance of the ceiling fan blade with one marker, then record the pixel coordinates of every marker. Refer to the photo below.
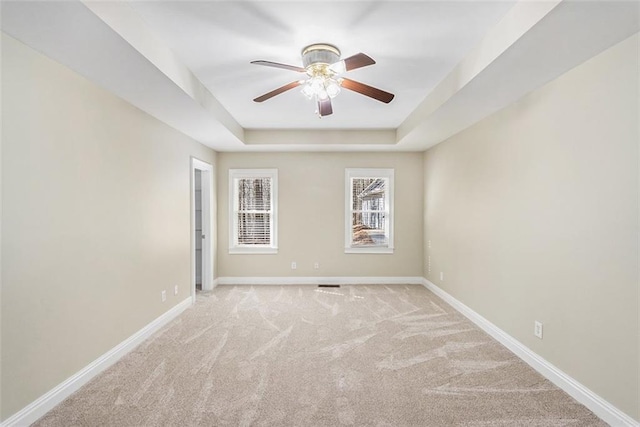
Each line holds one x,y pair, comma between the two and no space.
277,91
367,90
357,61
324,107
351,63
279,65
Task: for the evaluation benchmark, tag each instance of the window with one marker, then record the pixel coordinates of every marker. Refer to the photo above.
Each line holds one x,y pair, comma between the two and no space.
253,220
369,210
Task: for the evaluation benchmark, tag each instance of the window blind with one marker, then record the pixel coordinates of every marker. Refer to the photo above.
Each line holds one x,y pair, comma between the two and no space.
253,211
253,205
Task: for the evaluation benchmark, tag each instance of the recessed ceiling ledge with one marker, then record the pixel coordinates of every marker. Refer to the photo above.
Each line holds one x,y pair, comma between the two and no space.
320,137
131,27
520,19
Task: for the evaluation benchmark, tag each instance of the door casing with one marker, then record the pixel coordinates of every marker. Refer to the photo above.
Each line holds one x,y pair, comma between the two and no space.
208,229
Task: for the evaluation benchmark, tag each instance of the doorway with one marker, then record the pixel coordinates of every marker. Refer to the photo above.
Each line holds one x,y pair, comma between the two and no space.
202,230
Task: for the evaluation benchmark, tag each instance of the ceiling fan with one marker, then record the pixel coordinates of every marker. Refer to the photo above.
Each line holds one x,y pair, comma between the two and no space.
324,69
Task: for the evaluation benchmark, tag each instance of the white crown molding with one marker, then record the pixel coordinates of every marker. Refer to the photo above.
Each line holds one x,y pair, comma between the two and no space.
36,409
311,280
603,409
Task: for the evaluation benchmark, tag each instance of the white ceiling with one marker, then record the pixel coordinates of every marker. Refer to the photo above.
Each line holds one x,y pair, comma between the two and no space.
414,44
449,63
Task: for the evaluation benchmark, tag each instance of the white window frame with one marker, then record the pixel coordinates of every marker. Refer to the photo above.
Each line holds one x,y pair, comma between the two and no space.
351,173
234,176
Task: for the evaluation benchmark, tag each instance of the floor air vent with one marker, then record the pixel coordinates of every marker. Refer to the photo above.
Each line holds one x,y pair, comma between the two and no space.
328,286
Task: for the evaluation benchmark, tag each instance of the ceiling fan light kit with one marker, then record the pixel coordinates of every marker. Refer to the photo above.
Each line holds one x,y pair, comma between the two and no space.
323,67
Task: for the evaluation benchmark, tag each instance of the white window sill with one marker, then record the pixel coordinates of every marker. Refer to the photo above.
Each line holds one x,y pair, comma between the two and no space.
252,251
368,250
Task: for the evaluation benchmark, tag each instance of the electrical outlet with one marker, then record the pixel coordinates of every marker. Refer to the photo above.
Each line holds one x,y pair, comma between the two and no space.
316,265
429,244
175,290
163,295
441,276
537,329
294,265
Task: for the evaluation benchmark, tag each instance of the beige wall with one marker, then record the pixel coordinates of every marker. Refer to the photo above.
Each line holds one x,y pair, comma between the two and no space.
532,215
96,219
311,216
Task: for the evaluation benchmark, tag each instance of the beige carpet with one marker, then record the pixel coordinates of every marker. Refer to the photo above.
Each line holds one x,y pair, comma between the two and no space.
307,356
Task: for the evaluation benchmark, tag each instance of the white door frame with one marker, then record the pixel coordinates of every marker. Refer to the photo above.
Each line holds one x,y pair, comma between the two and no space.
207,225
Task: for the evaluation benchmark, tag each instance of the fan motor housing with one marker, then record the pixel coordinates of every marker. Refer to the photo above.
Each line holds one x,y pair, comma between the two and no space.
320,53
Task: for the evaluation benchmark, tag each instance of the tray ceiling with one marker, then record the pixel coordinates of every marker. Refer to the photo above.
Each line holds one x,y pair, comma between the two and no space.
450,64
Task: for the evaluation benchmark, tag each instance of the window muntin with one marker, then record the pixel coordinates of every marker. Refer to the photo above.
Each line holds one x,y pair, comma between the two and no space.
253,215
368,222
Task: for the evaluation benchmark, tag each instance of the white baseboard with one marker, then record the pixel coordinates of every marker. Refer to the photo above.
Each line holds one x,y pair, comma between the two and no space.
311,280
582,394
48,401
603,409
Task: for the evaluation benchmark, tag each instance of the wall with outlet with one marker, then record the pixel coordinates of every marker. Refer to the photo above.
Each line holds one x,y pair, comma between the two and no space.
532,216
311,216
95,222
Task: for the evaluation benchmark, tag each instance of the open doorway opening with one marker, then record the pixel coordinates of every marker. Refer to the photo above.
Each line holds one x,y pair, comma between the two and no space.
198,235
202,230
